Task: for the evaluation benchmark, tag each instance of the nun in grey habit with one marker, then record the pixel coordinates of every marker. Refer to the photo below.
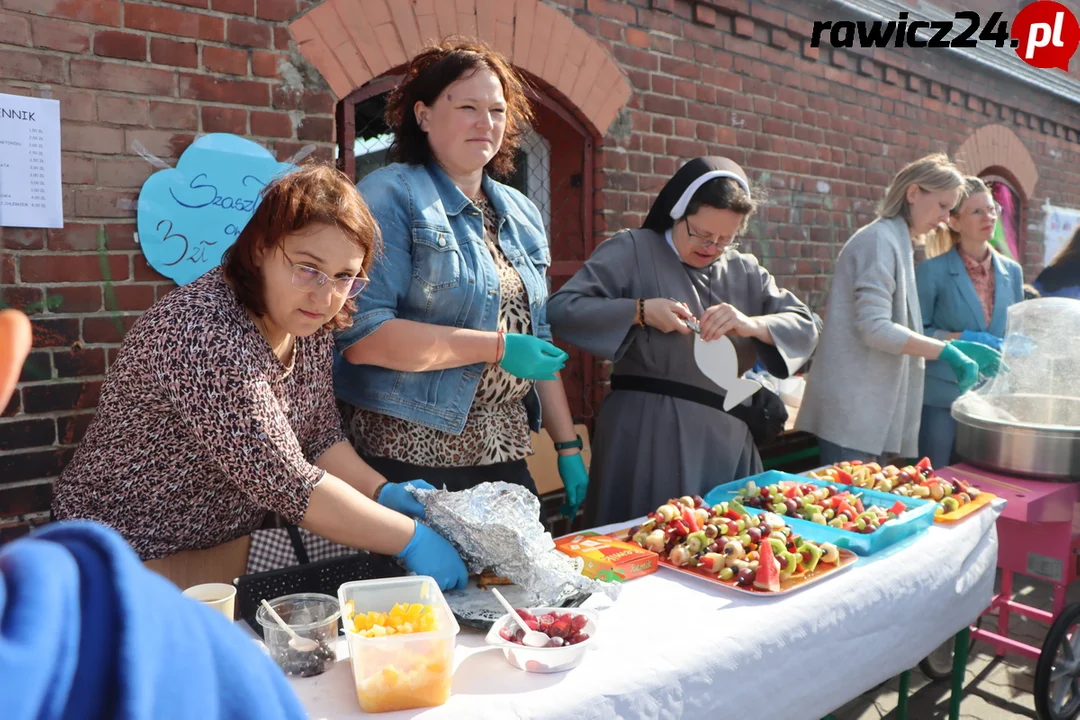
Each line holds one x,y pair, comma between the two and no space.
662,431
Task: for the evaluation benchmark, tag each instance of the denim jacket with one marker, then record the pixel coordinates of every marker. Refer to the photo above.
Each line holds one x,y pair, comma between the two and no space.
436,268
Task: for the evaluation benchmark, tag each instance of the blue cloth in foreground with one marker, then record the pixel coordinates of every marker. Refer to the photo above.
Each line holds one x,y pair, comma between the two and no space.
87,632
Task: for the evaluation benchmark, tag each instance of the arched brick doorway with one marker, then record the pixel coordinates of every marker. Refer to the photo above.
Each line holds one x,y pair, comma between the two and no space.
577,90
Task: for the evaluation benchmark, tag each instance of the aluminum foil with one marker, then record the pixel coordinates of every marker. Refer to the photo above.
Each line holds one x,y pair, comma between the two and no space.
497,525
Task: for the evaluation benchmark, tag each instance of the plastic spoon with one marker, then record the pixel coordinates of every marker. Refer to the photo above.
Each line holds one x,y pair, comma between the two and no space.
296,643
533,638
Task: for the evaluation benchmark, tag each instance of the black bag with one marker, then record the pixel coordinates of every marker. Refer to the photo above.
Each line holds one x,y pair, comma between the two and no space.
765,416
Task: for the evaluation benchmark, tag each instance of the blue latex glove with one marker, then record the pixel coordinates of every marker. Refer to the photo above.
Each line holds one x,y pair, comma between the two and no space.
429,553
396,497
988,359
530,358
576,481
965,369
983,338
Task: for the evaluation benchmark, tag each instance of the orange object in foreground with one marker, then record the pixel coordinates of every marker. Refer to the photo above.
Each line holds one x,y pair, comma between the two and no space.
607,558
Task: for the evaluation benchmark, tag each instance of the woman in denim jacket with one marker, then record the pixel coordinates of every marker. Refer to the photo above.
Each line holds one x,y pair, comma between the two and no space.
449,360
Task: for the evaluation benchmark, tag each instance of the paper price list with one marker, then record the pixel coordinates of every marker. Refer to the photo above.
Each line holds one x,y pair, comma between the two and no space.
30,185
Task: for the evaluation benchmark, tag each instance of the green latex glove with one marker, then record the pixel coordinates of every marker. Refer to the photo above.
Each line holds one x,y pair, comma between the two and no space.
530,358
988,358
576,481
966,369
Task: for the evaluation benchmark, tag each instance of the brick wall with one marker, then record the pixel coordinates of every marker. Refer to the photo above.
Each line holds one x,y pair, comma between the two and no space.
155,74
823,130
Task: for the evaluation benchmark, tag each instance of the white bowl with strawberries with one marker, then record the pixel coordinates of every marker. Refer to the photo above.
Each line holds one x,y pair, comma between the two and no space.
570,631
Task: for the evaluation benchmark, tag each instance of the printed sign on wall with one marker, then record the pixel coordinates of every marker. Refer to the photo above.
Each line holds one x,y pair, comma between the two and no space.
189,215
1061,223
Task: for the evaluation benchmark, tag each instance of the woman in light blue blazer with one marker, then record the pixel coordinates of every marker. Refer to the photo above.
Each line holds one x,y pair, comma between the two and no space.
965,290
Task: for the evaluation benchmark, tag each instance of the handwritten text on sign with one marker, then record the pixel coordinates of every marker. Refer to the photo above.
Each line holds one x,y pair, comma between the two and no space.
189,215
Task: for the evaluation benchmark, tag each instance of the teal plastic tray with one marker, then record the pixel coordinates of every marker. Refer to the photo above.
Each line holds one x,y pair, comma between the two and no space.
917,518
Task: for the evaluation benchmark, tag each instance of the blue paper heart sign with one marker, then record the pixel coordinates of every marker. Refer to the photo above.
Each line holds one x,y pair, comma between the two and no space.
189,215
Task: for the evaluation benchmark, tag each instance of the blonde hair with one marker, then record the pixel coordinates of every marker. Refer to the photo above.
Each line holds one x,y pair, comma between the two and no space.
943,238
932,173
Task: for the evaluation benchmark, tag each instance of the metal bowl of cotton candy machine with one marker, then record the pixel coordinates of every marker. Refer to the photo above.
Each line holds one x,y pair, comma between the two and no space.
1045,444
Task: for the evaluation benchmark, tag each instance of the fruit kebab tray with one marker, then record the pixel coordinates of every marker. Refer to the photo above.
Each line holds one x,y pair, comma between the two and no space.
863,521
957,499
727,545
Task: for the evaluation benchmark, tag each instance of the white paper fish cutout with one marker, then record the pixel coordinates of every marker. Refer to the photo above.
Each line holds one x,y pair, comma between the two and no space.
719,362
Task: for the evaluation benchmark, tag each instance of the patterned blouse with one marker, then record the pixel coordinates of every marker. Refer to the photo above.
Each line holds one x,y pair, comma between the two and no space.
201,429
497,427
981,273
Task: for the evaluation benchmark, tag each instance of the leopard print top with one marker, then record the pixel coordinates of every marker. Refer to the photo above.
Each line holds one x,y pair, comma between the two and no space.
201,429
497,427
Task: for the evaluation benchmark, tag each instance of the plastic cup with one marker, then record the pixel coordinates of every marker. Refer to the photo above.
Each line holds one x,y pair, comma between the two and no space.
311,615
220,596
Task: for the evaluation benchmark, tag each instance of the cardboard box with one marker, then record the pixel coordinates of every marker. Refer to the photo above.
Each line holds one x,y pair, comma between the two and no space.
607,558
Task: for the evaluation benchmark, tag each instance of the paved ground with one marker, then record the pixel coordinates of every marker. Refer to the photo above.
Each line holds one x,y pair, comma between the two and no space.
996,688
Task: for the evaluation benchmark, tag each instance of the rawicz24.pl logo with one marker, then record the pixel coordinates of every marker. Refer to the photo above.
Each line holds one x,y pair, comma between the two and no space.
1044,34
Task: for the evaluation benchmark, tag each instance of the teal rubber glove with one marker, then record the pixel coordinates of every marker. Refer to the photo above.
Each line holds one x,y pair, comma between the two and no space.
965,369
576,481
429,553
396,497
988,358
530,358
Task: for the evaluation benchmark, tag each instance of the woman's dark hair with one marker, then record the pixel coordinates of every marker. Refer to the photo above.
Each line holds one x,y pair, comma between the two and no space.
723,194
432,71
315,193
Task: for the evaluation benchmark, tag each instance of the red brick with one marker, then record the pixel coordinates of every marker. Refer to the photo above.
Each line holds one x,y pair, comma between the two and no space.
97,12
667,6
130,297
277,10
249,34
170,21
20,467
73,237
71,429
744,27
637,38
120,237
172,52
612,9
314,128
74,298
779,38
236,7
79,363
282,38
13,238
54,332
77,170
287,99
73,268
123,173
225,60
705,15
31,67
318,103
105,203
100,330
13,408
270,124
27,433
61,396
37,367
91,138
14,30
201,4
264,64
123,110
116,44
75,105
162,143
143,271
173,115
59,35
239,92
225,120
121,78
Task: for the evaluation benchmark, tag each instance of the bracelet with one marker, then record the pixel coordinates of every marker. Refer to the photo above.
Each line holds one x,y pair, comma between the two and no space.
640,319
378,490
500,346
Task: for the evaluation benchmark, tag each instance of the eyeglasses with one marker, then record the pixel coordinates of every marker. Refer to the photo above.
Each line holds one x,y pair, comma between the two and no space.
994,212
312,279
704,241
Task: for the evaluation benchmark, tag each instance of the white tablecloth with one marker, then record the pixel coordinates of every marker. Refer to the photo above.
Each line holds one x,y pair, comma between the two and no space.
673,646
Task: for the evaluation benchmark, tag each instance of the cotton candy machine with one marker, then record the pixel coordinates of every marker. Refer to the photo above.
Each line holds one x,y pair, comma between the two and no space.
1026,420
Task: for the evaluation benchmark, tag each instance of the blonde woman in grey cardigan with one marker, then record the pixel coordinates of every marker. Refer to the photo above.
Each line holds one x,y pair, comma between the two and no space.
864,394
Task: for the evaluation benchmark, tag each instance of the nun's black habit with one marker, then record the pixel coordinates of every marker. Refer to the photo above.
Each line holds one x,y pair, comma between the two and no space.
648,447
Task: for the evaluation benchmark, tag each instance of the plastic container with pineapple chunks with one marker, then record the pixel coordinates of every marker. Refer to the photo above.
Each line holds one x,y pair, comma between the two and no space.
401,671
